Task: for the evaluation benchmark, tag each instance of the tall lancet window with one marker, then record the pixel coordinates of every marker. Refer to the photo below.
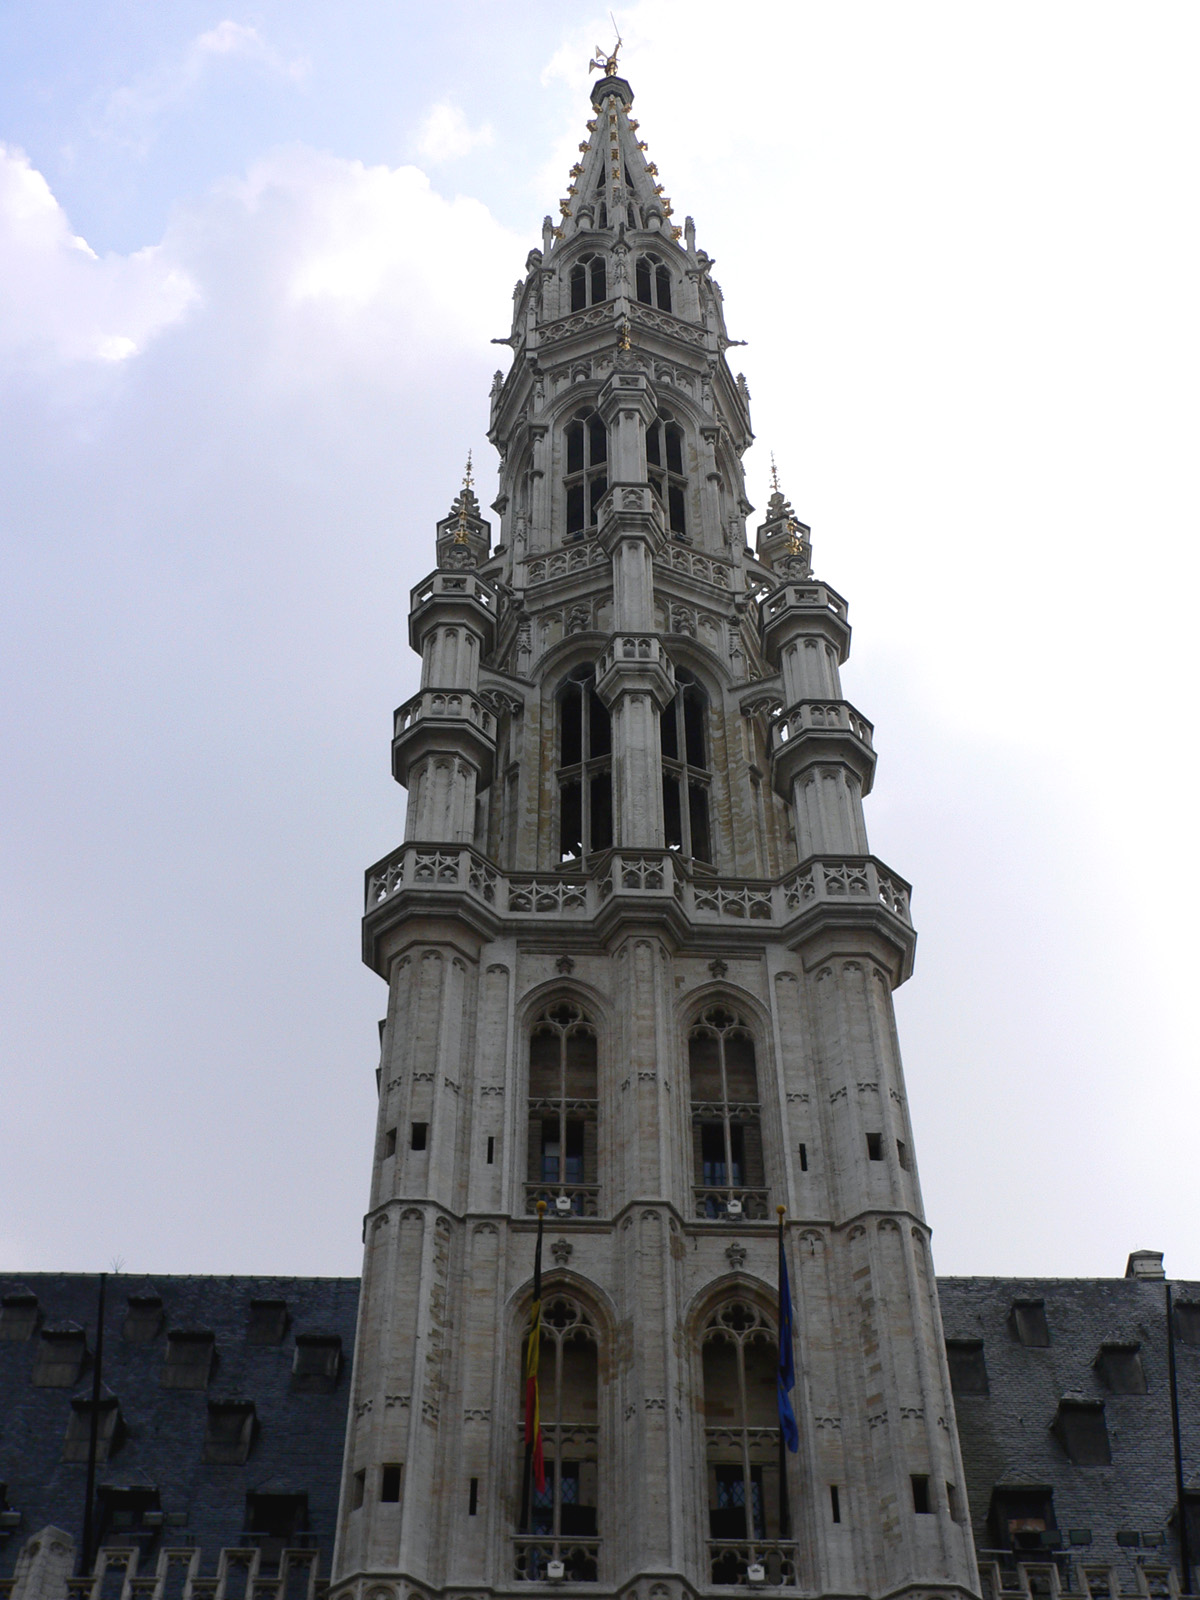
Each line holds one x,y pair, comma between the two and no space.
664,467
589,281
747,1514
652,278
683,732
585,811
586,479
562,1111
726,1132
562,1524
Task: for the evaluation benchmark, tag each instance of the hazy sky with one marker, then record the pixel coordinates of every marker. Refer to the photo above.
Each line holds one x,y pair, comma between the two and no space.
250,262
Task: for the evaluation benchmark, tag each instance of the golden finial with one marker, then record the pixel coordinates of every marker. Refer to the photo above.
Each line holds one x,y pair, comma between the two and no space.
462,533
652,168
677,233
607,64
780,1211
625,343
634,125
541,1208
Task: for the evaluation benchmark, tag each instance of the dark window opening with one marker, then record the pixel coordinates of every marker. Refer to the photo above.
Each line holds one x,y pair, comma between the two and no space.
726,1134
902,1154
230,1433
728,1518
585,768
189,1360
683,730
562,1105
1119,1368
1083,1433
389,1143
652,280
419,1138
568,1397
473,1497
968,1369
389,1482
1028,1323
664,450
275,1522
835,1502
18,1315
360,1491
922,1504
803,1158
143,1318
268,1322
127,1515
589,285
491,1149
952,1502
874,1147
1186,1317
317,1363
586,479
1023,1519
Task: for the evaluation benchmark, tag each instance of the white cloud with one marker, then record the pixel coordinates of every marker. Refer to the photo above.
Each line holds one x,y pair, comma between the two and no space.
133,111
446,134
64,303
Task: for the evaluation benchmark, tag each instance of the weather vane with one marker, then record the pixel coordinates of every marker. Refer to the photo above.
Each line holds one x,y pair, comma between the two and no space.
462,533
604,63
774,475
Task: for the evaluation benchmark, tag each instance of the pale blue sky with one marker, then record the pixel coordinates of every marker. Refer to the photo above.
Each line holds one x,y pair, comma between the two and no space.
962,244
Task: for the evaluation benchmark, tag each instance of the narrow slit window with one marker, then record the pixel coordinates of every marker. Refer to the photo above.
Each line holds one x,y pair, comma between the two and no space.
389,1482
874,1147
920,1494
803,1158
835,1503
420,1136
902,1154
473,1498
360,1490
389,1143
491,1149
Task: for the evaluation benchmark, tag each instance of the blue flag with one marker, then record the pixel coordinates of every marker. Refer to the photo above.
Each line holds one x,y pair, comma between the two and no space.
786,1381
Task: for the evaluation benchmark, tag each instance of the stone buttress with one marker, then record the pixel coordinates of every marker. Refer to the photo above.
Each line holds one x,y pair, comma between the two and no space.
640,964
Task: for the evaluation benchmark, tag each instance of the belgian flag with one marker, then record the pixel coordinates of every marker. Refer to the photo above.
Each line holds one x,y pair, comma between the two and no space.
535,1465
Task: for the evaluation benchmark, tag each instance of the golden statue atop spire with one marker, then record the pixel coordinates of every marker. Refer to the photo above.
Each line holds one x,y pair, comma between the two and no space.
462,532
604,63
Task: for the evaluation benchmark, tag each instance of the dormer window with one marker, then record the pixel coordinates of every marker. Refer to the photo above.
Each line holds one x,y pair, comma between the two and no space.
653,278
586,478
664,468
589,281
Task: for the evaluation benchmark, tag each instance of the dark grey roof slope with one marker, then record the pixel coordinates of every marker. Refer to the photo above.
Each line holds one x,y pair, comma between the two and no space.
292,1437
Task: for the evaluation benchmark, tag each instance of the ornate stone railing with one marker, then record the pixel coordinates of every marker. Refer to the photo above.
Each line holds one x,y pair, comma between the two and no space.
657,875
458,585
712,1203
444,704
584,1198
730,1561
809,715
239,1572
532,1556
1061,1575
574,557
708,569
810,596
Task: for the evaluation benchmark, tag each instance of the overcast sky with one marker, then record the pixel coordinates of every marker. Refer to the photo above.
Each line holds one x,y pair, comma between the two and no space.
250,262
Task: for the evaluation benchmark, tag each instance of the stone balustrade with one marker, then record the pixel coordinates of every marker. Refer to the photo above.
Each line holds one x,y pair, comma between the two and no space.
803,597
651,876
454,586
451,705
808,716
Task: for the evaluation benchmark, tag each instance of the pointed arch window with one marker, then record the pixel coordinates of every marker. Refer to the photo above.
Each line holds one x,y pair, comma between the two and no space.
726,1128
589,279
664,467
747,1499
683,734
562,1111
585,809
563,1521
652,278
586,479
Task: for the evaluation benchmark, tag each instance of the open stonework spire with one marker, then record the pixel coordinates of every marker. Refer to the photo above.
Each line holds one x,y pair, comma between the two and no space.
640,962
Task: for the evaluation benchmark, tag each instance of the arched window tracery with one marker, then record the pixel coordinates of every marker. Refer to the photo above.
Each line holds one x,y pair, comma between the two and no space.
652,278
563,1104
683,736
747,1498
589,277
586,478
664,468
726,1128
585,809
563,1518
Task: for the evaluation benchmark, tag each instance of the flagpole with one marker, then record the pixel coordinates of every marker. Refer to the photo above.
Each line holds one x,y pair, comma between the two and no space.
535,1332
784,1518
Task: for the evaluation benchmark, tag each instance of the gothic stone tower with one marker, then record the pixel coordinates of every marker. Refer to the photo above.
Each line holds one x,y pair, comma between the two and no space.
640,964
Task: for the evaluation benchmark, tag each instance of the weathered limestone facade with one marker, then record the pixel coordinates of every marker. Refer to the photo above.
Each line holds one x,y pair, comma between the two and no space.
640,963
